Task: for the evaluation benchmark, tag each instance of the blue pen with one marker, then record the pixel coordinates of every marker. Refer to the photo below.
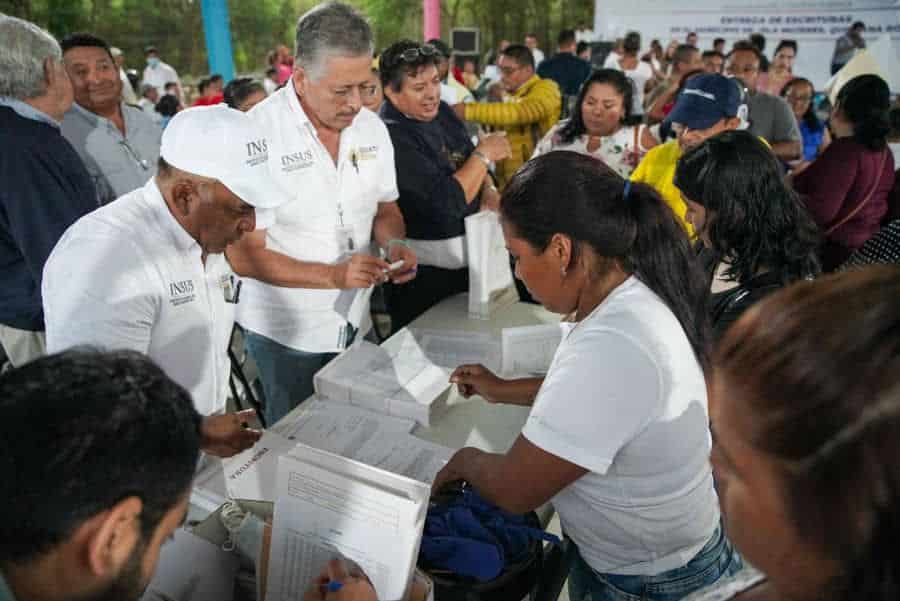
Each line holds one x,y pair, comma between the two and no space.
334,586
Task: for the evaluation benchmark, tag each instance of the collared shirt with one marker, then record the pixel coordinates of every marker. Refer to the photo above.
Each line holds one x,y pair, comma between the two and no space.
326,200
23,109
159,76
128,276
118,163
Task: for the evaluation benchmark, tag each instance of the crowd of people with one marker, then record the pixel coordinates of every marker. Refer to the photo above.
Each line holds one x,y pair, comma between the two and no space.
717,422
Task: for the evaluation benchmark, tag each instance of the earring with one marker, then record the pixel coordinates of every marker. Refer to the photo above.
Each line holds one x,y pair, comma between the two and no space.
562,271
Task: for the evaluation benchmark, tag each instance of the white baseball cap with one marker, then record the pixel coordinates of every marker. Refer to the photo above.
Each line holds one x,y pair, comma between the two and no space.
223,144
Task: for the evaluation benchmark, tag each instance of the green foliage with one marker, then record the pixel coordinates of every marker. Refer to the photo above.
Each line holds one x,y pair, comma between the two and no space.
176,26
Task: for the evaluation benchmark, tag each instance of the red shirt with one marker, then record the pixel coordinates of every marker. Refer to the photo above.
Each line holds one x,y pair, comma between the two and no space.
209,100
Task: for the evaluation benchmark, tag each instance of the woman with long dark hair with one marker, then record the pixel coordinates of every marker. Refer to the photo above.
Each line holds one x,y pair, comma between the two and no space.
846,189
757,233
799,93
618,433
602,124
805,403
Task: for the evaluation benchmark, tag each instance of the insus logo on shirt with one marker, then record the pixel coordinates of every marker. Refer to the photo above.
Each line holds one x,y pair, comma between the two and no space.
257,152
296,160
181,292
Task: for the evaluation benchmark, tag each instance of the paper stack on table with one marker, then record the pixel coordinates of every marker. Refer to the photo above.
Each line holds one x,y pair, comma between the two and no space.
371,438
400,383
529,350
329,506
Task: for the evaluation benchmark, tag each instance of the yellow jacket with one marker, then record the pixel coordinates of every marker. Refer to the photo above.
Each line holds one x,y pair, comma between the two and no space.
525,116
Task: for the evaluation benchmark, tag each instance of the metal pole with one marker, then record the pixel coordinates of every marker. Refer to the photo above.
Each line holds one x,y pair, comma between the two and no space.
218,37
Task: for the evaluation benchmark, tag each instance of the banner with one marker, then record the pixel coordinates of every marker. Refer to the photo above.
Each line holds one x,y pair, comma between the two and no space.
814,24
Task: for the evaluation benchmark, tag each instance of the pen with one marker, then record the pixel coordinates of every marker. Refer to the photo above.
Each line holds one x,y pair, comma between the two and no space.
393,266
334,586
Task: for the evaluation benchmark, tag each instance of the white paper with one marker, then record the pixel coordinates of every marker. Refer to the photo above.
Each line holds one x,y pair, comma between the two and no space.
529,350
341,429
405,455
490,277
401,383
328,506
452,348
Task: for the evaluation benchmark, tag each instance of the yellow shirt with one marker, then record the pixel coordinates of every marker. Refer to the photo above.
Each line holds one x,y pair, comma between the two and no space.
657,169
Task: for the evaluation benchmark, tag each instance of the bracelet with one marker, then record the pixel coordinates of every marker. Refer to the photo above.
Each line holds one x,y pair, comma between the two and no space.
397,241
480,156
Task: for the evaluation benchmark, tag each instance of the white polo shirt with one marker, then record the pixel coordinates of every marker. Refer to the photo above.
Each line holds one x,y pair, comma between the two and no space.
326,198
128,276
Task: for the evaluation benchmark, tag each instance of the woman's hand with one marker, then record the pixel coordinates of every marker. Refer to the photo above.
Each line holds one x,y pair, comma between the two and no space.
354,586
477,379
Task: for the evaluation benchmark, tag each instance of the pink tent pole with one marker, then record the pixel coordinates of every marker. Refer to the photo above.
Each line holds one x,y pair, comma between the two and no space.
432,10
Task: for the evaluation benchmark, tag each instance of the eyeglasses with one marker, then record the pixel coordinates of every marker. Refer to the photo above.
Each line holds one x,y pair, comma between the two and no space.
411,54
796,98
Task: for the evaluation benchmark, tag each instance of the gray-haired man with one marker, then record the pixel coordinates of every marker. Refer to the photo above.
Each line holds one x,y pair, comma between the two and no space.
44,187
313,271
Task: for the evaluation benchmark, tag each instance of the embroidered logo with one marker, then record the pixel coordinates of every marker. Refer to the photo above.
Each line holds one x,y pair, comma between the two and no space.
257,152
181,292
301,159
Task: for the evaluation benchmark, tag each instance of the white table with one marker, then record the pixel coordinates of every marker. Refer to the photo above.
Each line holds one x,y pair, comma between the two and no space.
473,421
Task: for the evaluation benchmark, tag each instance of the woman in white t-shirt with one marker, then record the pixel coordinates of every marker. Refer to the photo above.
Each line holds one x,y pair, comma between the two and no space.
602,125
618,434
634,68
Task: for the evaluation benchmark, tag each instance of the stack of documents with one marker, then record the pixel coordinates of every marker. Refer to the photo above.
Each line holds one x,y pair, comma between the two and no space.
401,383
528,351
329,506
374,439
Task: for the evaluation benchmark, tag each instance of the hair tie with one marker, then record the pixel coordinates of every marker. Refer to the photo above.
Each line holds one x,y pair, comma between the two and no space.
627,190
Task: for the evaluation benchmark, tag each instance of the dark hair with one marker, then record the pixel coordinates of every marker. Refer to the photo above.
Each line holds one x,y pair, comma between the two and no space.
858,25
718,41
865,101
709,53
758,40
82,40
745,46
632,42
894,118
271,71
238,90
817,368
566,37
202,85
167,106
754,219
581,197
215,77
792,44
439,44
170,84
809,117
81,431
394,69
581,47
575,127
691,33
683,53
519,53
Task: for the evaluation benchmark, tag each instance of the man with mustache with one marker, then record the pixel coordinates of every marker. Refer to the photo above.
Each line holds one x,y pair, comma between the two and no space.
313,270
118,143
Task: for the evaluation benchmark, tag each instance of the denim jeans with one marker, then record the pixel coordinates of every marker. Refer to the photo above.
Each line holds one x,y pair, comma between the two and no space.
286,374
716,560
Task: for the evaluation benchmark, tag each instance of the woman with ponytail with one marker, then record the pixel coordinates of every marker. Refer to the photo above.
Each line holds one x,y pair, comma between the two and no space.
847,187
618,434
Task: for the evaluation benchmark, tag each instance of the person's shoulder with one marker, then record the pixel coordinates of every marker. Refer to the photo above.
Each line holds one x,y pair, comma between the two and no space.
369,124
663,153
25,134
273,108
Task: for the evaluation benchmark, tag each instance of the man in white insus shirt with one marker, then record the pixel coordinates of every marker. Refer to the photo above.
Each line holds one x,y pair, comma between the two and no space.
313,270
147,272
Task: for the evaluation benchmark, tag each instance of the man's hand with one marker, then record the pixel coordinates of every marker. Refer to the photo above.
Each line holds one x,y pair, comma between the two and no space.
490,198
453,471
400,252
354,584
359,271
229,434
460,110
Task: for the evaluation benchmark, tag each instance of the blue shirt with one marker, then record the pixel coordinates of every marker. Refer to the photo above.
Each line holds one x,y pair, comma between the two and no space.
812,139
44,188
5,593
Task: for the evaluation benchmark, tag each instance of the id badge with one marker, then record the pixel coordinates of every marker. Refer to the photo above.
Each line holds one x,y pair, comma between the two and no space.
345,240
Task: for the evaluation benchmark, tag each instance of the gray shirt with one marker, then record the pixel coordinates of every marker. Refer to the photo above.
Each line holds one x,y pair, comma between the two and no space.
118,164
772,119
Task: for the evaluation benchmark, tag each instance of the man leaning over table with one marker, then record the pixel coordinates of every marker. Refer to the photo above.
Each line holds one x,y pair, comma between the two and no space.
313,270
147,272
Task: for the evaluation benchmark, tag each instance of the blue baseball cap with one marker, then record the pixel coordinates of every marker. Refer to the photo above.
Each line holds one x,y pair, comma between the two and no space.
706,100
